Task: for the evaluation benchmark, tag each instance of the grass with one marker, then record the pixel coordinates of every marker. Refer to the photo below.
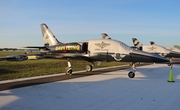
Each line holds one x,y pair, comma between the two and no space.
30,68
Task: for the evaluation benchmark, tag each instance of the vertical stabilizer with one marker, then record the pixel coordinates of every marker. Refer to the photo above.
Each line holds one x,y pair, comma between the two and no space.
105,36
136,42
48,37
152,43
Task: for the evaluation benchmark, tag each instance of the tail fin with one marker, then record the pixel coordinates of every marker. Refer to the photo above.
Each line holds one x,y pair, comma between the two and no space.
136,42
105,36
49,38
152,43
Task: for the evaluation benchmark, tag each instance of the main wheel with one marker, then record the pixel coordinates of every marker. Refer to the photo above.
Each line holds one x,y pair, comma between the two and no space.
131,74
88,68
69,71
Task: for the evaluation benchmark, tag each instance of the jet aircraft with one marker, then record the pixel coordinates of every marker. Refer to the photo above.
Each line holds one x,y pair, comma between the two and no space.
105,49
175,48
162,51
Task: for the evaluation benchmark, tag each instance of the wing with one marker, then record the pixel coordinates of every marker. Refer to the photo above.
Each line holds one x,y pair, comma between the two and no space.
14,58
22,57
38,47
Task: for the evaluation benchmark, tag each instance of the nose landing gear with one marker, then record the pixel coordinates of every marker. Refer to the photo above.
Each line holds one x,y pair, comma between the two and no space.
131,74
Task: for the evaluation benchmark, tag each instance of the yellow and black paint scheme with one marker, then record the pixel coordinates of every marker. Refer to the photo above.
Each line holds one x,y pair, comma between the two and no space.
72,48
34,56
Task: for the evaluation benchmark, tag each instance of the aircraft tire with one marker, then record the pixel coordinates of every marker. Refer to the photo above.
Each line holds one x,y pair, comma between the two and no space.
169,64
68,71
89,68
131,74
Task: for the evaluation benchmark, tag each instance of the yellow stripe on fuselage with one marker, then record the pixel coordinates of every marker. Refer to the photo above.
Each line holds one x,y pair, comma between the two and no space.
33,57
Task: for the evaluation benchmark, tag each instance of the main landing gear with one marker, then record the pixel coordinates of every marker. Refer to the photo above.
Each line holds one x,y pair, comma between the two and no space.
69,68
131,74
90,67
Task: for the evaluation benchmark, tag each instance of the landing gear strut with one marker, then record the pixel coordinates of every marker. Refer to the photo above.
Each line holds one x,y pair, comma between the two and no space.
131,74
69,68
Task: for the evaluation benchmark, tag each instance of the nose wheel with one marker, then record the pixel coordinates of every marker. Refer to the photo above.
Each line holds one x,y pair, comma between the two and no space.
169,64
131,74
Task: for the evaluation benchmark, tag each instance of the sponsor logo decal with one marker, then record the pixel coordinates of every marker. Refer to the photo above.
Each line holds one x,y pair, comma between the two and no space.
118,56
162,54
102,45
68,47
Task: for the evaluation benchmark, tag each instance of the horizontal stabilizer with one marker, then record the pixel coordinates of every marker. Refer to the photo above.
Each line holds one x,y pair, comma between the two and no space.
39,47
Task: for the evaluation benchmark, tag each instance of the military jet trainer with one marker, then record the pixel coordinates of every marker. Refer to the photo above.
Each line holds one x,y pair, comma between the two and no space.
105,49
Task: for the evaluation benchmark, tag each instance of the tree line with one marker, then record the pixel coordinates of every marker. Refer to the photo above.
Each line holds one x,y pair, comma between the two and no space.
8,49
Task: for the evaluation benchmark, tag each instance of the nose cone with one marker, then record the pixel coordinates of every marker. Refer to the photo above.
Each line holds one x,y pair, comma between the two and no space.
141,56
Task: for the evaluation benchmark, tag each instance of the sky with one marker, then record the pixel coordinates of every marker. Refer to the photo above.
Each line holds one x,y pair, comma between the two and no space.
78,20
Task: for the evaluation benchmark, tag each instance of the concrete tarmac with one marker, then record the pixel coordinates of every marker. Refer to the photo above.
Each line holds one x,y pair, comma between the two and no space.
23,82
107,91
